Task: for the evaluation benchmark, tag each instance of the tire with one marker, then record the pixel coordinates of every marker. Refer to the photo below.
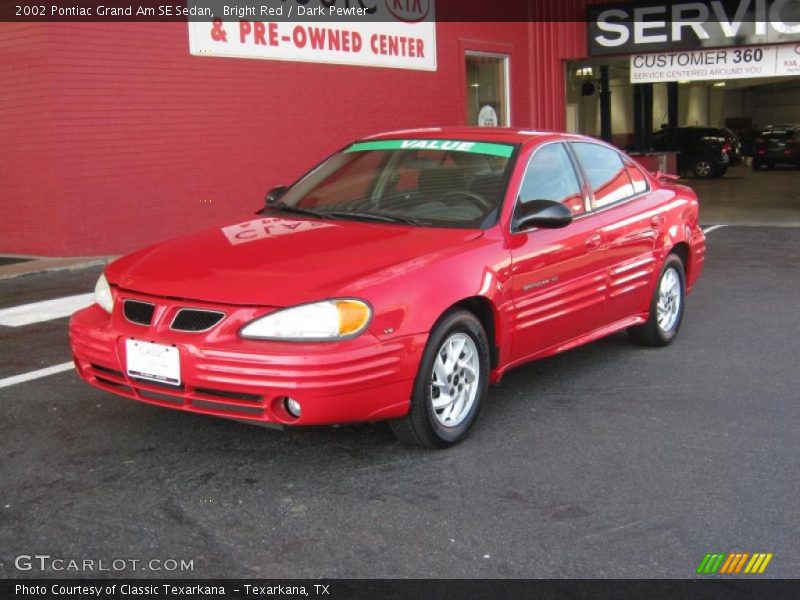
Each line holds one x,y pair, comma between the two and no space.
757,166
662,324
426,424
703,168
720,172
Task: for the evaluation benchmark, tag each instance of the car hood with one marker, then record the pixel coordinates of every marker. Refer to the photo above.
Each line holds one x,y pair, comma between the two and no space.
276,261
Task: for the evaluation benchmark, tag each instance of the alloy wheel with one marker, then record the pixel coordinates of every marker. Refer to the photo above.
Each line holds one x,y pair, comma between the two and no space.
669,300
703,168
455,379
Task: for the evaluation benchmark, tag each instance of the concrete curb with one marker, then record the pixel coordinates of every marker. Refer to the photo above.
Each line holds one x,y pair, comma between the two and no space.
46,264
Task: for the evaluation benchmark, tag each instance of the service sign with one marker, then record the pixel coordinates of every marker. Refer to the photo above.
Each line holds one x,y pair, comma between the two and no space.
399,34
670,25
721,63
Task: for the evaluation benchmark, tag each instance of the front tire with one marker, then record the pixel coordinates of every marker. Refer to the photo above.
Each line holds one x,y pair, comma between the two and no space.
450,386
666,306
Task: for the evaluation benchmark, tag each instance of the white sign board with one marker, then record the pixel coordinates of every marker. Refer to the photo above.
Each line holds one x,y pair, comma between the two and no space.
395,43
717,64
487,117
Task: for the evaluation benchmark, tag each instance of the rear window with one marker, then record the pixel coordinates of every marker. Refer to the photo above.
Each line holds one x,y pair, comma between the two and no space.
708,131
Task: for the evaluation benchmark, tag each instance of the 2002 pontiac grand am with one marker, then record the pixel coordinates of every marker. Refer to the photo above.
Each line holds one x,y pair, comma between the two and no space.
397,280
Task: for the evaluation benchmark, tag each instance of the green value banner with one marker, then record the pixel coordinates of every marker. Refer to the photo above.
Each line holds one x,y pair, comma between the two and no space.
504,150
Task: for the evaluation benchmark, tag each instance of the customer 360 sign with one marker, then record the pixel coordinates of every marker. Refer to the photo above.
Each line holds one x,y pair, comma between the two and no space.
720,63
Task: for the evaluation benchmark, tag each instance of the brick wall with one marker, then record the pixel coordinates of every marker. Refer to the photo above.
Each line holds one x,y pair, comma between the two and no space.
115,137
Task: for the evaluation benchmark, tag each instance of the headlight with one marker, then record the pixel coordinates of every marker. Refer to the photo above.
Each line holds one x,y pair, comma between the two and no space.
323,321
102,294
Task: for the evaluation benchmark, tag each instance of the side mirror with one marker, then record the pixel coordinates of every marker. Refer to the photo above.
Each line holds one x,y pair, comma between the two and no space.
545,214
275,194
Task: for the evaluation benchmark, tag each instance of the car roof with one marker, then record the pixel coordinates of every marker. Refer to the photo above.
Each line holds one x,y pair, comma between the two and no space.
696,128
787,126
502,135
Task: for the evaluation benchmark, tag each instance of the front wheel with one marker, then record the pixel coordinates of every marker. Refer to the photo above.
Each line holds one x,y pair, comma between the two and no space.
666,306
451,383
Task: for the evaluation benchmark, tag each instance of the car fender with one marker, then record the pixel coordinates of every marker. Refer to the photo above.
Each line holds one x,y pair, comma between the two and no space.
409,298
681,226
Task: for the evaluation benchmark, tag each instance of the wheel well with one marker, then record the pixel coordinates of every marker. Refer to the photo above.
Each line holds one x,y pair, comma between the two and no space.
484,311
681,250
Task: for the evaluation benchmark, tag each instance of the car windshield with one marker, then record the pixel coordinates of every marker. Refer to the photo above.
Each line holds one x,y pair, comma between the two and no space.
436,183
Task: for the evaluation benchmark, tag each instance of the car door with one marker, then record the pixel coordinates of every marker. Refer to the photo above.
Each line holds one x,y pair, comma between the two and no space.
632,221
558,275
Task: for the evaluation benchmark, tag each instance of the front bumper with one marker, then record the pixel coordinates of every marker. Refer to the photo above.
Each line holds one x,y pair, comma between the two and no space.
223,375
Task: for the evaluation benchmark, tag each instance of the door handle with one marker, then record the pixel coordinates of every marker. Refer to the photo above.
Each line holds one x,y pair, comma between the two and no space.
656,221
593,242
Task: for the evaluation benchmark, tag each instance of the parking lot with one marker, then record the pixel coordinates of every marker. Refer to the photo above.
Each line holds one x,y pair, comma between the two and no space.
610,461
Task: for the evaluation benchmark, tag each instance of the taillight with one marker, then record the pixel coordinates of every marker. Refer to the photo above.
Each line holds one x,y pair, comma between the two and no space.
726,148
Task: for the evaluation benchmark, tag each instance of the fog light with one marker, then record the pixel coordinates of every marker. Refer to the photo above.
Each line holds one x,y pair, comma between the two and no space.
292,407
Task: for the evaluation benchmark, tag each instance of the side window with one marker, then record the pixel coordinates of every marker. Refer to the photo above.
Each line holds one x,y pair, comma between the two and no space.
607,174
638,179
551,176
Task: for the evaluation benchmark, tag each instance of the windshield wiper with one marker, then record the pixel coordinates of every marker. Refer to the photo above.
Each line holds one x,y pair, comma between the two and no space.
365,216
295,209
338,214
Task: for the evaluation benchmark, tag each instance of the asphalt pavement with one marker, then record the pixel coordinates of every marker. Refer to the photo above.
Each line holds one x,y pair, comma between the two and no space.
608,461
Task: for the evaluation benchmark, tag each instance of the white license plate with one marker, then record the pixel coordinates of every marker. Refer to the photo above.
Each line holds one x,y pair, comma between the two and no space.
155,362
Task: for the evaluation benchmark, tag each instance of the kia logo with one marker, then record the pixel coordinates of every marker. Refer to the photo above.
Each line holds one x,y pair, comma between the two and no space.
410,11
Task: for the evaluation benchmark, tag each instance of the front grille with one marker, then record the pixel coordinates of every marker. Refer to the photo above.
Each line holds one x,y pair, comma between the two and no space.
194,319
106,370
231,395
138,312
110,383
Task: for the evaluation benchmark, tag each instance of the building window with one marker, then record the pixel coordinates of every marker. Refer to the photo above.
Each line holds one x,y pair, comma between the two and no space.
487,90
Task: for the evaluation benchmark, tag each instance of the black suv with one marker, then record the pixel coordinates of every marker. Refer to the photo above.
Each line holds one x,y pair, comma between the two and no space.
777,144
702,151
734,150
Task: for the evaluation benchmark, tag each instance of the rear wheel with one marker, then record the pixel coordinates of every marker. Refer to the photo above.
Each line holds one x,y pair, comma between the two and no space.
451,383
703,168
666,306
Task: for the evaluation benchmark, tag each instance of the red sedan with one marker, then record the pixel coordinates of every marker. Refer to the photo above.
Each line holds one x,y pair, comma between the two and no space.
397,280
